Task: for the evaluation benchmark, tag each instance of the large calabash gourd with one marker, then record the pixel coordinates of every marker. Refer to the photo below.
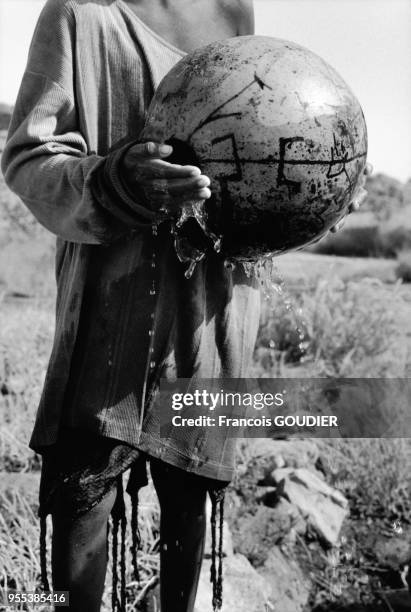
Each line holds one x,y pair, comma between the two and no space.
280,134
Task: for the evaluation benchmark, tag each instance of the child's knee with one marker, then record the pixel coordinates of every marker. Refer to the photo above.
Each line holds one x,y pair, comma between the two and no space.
180,493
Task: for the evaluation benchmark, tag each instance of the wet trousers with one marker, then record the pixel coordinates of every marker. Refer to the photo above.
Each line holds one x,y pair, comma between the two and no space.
82,489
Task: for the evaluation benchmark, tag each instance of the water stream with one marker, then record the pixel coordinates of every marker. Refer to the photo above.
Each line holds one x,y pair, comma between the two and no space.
273,286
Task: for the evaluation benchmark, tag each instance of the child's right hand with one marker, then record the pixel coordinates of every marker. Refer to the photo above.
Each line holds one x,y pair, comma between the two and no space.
162,185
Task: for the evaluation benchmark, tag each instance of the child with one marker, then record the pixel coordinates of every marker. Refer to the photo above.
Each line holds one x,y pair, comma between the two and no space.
126,316
92,70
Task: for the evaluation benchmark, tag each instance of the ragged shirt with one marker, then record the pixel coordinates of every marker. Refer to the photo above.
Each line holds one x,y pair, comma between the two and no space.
92,70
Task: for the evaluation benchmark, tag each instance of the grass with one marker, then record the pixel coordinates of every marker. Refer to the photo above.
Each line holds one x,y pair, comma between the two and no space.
382,493
19,558
374,475
19,552
26,334
336,328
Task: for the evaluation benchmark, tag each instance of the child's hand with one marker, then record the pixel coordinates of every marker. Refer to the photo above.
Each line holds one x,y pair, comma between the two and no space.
359,198
161,184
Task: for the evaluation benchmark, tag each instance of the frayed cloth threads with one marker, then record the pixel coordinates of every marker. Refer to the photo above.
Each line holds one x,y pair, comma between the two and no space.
119,524
43,554
216,573
119,520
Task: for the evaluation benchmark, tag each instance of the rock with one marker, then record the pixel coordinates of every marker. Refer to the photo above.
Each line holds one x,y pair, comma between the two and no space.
284,511
244,590
289,588
287,514
279,461
325,508
227,539
257,534
311,480
270,455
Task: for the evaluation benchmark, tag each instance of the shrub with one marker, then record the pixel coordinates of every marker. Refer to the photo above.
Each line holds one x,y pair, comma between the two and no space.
374,474
347,331
26,333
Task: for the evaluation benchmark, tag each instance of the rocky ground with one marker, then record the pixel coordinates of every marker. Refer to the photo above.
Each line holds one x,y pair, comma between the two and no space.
287,542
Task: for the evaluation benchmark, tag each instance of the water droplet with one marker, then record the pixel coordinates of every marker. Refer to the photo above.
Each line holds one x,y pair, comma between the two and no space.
273,289
190,270
154,230
230,265
152,364
248,268
152,291
217,245
151,333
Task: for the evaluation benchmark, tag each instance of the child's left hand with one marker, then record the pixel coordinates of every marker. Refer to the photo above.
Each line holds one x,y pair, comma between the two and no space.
359,198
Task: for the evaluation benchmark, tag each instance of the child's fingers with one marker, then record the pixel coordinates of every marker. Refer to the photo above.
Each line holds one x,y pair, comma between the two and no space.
149,156
175,170
158,168
149,150
178,186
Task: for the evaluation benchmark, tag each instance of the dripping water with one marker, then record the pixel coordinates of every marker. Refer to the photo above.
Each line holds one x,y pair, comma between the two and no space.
153,293
187,253
273,286
150,363
191,267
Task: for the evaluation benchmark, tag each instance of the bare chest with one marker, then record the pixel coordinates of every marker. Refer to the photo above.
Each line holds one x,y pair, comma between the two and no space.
186,25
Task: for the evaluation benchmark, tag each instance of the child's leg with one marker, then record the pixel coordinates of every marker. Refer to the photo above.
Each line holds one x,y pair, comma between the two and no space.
78,488
79,554
182,498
